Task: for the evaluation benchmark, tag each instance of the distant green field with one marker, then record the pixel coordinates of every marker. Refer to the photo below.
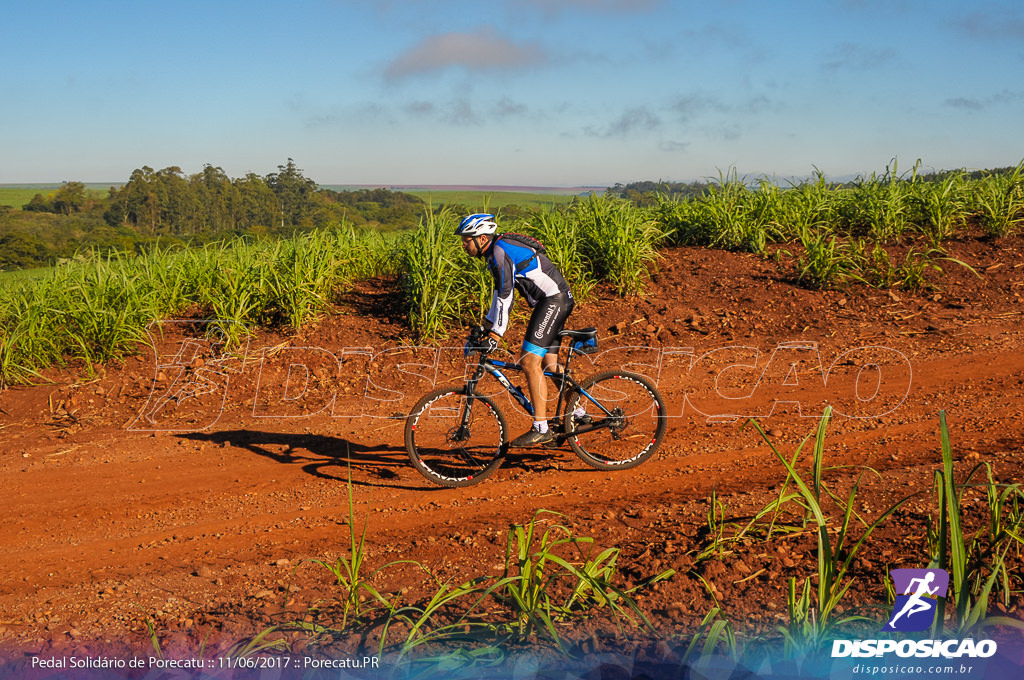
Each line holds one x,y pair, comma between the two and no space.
17,195
474,199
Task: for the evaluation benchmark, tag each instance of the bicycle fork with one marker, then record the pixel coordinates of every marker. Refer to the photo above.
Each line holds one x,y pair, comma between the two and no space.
462,433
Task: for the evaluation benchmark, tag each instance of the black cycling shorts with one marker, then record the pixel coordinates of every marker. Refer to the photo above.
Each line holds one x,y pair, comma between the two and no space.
547,320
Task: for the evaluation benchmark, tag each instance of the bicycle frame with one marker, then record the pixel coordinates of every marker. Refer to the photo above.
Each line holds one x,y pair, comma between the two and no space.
562,379
453,445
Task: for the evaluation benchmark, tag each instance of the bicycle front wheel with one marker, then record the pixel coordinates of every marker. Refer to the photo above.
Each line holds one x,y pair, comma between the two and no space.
455,440
624,424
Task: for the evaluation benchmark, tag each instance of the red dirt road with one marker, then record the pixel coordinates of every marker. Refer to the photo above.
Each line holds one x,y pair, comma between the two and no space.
107,525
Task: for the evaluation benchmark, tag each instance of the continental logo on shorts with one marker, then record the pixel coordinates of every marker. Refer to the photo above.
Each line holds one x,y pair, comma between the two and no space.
542,327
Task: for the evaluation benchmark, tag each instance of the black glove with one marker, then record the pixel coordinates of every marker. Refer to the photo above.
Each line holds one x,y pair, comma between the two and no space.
476,335
489,344
480,341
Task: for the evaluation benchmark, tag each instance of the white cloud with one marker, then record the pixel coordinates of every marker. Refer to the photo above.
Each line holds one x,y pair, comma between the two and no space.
481,50
848,55
997,24
980,104
671,146
693,105
461,112
507,108
421,109
634,120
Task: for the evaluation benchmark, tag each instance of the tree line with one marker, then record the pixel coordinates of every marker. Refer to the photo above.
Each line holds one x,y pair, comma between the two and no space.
167,206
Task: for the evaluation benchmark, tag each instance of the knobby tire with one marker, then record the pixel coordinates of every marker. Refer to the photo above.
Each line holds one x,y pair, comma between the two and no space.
440,452
631,436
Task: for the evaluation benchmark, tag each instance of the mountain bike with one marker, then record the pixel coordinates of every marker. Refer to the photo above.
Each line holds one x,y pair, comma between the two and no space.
458,436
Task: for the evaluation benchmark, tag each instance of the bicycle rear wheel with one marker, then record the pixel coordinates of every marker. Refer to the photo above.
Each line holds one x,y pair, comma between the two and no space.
629,432
447,452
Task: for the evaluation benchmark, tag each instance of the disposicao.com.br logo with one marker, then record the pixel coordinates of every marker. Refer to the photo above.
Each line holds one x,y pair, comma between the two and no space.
915,608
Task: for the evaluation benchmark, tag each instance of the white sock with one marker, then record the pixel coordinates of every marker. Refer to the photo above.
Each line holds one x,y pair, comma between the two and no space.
541,426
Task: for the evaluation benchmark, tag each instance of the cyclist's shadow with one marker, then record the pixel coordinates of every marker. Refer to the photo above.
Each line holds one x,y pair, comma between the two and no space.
536,460
320,455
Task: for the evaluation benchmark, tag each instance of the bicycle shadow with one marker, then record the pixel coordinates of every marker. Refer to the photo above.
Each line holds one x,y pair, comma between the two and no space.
320,455
538,460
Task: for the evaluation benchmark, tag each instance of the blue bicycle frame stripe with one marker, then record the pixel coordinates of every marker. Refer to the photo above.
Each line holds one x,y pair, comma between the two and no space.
514,366
533,349
595,402
512,389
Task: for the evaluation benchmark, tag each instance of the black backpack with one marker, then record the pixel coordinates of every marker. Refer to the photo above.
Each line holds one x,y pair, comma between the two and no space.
528,241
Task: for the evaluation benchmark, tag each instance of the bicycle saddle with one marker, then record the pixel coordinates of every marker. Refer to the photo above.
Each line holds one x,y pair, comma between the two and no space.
582,334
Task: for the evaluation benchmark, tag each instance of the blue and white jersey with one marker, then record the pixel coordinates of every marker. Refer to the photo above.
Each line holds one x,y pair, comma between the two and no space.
517,266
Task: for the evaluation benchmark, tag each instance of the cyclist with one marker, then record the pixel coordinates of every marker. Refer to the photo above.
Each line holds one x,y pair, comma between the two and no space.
514,264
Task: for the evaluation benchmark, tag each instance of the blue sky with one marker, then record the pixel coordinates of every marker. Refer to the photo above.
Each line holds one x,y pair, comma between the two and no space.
520,92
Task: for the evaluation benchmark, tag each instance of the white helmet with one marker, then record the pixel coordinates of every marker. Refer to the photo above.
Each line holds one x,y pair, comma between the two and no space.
477,224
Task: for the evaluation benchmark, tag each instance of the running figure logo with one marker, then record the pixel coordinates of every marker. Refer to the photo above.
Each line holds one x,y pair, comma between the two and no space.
917,591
